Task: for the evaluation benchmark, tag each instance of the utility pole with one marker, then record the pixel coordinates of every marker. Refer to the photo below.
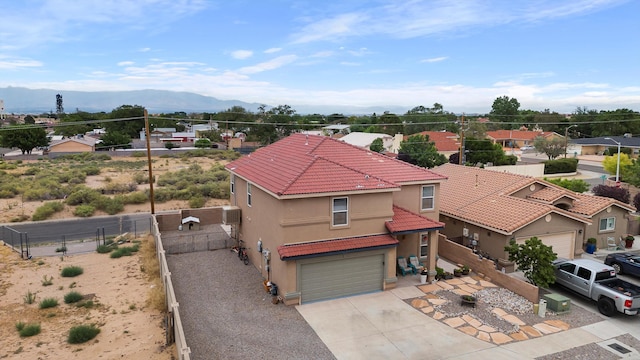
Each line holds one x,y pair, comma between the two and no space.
146,130
461,157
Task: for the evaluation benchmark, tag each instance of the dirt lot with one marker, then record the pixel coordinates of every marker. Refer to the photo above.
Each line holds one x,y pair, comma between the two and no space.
130,328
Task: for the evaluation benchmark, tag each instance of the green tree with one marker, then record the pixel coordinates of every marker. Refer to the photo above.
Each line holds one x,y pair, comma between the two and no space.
377,145
115,139
577,185
504,109
418,150
202,143
130,120
552,148
534,259
484,152
23,137
610,164
29,120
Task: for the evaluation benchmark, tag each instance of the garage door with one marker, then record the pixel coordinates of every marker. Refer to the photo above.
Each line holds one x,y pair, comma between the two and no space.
563,244
342,276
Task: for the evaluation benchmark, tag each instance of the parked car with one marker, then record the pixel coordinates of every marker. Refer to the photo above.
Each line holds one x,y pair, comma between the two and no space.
526,148
624,263
599,283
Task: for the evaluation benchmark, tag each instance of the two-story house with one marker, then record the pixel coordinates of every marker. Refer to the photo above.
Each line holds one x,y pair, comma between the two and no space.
325,219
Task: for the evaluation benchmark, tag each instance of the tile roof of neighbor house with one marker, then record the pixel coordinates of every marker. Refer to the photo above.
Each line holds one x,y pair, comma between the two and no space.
443,140
404,221
306,164
632,142
483,197
517,134
86,140
327,247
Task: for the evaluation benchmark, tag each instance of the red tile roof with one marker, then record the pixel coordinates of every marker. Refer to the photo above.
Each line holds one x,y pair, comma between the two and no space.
443,140
310,164
405,221
328,247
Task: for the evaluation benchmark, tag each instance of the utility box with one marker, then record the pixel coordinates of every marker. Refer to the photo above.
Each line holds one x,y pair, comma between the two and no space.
557,303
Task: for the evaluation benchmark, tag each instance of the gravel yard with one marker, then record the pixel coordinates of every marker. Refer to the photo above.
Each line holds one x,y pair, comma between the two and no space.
226,314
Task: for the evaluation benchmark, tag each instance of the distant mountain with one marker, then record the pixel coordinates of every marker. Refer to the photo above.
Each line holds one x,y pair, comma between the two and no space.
20,100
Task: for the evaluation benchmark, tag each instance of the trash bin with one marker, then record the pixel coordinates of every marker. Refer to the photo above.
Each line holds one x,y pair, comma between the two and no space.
542,307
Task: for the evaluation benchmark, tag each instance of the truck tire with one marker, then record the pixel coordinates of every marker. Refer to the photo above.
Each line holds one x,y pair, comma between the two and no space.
606,306
617,267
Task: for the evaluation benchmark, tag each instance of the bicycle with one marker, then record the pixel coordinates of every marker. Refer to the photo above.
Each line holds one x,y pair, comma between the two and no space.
242,253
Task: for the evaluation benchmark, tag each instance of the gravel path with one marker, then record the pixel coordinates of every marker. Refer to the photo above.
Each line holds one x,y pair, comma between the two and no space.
226,314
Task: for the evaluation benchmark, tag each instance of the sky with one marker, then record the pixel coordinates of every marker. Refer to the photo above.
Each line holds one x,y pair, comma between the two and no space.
463,54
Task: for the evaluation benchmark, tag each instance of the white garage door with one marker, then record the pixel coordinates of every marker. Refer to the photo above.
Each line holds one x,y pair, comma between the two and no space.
563,244
340,276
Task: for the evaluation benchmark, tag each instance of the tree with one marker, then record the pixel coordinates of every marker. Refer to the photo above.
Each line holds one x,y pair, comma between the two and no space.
552,148
610,163
418,150
577,185
484,152
23,137
534,259
504,109
115,139
377,145
612,192
134,123
29,120
202,143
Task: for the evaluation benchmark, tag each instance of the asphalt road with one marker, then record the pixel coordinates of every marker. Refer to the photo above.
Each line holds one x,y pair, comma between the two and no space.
55,231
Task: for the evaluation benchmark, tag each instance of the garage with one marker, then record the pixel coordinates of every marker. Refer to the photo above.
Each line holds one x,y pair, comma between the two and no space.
343,275
563,244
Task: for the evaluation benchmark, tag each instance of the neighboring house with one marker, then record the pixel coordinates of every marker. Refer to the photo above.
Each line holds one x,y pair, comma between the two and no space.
76,144
518,138
597,146
447,143
364,140
494,207
324,219
336,129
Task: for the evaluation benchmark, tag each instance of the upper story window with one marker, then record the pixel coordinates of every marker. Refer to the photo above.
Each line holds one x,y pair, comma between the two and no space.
427,197
340,211
608,224
249,194
232,183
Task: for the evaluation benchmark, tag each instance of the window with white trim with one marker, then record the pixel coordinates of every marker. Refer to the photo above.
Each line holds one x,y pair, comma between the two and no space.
427,197
340,211
232,183
249,194
608,224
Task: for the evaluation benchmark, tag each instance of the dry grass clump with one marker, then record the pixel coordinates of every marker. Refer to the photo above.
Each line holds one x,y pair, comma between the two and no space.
150,266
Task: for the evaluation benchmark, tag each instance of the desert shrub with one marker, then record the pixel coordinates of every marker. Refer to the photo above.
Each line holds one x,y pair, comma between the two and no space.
85,156
137,197
138,154
31,171
202,143
84,211
141,178
30,330
48,303
577,185
72,297
169,145
162,195
90,170
30,297
61,249
82,333
108,205
45,211
20,325
46,281
561,166
196,202
71,271
124,251
119,188
82,195
105,249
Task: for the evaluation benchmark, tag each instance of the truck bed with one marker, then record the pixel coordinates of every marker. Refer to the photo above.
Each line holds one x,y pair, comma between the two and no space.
621,286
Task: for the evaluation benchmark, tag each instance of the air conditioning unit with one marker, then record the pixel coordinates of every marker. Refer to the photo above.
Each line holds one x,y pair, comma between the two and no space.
231,215
557,303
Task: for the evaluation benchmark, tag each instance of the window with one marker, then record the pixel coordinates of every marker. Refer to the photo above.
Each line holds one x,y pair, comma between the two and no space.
570,268
427,197
249,194
340,211
608,224
424,245
233,184
584,273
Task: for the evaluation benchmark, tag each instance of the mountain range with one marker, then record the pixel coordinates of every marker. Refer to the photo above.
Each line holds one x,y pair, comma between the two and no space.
19,100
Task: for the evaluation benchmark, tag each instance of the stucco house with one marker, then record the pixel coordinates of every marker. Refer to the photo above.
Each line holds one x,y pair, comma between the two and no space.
446,142
75,144
493,207
519,138
324,219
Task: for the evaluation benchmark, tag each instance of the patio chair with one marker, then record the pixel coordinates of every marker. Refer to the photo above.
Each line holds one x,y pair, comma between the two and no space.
403,267
415,263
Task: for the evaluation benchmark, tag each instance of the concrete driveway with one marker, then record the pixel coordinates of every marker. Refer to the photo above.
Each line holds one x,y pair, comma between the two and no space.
382,326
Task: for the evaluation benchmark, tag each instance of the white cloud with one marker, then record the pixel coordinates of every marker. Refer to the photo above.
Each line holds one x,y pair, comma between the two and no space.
268,65
146,49
8,63
434,60
272,50
125,63
241,54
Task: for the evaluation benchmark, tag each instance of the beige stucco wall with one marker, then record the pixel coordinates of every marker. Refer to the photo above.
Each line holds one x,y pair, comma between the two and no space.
621,227
409,198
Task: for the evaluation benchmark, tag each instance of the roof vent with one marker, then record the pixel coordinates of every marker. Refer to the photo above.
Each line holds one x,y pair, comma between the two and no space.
306,139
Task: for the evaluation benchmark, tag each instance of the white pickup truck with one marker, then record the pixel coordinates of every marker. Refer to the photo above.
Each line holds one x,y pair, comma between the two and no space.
599,283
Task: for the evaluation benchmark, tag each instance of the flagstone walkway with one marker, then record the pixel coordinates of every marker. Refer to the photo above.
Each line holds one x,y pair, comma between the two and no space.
471,326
